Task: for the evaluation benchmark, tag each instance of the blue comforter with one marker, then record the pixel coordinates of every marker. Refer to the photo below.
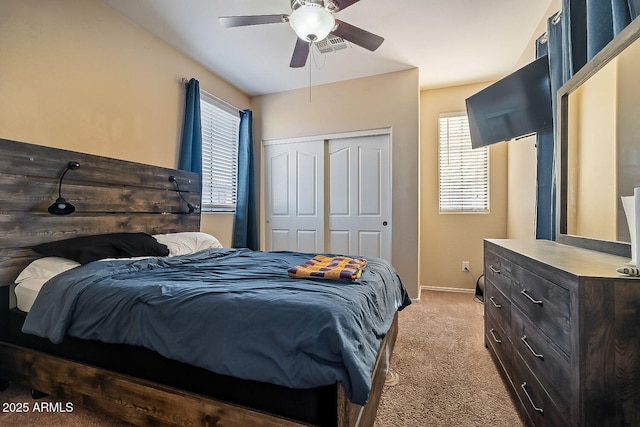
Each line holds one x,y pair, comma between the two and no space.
234,312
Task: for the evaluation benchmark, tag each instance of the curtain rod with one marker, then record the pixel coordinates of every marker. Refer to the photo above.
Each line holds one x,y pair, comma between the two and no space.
217,98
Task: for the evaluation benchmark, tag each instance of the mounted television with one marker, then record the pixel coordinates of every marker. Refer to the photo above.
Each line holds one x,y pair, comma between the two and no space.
517,105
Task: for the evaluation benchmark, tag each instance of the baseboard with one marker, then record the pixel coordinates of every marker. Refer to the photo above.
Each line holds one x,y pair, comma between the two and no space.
444,289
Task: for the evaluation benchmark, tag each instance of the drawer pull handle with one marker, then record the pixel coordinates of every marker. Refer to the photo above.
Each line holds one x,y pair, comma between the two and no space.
535,301
535,408
493,269
495,304
538,355
493,334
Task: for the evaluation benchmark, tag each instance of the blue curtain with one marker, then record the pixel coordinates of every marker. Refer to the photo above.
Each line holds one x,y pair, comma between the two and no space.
634,8
191,143
589,25
546,188
574,37
245,226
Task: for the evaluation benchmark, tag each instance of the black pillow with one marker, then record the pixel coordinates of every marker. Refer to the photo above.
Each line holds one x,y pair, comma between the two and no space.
114,245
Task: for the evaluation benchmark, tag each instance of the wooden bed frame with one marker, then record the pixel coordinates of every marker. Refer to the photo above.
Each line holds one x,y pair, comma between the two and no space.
112,195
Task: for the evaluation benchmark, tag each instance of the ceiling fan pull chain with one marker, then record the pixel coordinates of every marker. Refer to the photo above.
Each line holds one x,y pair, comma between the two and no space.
311,53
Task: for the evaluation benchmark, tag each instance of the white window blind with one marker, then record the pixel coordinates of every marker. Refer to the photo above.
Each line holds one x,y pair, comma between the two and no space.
464,172
220,128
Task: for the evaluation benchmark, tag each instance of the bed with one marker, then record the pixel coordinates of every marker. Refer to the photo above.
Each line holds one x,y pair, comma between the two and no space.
149,383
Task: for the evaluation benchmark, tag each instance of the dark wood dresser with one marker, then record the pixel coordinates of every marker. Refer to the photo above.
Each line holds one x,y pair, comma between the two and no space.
564,327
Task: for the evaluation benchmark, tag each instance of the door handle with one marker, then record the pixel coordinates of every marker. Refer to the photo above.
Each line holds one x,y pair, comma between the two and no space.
384,223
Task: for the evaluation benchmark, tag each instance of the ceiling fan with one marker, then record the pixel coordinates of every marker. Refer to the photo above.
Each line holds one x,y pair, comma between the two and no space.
313,21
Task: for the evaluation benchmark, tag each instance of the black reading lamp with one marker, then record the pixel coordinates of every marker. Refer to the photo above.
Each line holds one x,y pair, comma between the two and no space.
61,206
190,206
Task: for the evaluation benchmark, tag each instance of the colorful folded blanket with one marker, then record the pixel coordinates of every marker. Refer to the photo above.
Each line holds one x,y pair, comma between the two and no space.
338,267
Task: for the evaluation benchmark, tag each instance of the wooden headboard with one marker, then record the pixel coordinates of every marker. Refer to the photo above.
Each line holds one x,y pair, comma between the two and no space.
110,195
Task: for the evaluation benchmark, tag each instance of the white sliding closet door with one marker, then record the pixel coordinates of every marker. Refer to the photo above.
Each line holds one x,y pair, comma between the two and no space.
359,201
294,193
331,195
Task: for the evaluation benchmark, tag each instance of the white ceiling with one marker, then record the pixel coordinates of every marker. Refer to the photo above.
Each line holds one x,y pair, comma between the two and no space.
452,42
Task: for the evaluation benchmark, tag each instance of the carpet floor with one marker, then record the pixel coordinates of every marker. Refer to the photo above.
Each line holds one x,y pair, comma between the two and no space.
445,374
441,375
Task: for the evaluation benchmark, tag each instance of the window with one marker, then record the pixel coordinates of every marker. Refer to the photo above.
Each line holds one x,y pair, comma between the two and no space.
464,172
220,127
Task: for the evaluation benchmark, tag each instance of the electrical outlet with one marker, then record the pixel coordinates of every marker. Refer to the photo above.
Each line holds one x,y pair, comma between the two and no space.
465,266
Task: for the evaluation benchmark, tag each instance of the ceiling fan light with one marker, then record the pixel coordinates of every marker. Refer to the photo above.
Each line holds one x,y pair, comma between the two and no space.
312,22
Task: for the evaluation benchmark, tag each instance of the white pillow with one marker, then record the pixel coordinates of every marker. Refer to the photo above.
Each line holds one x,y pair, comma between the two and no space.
45,268
187,242
35,275
27,291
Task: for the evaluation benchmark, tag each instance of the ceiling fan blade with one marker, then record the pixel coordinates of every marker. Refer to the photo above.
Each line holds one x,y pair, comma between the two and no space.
343,4
357,35
241,21
300,54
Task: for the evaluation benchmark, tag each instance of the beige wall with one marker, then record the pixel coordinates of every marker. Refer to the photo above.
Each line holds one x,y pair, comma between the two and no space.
592,190
449,239
76,75
628,131
521,192
385,101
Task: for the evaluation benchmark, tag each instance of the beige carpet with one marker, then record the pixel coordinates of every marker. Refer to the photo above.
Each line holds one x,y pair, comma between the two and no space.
446,376
442,375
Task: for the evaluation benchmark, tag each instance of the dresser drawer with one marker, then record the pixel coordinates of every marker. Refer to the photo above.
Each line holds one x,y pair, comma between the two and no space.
548,363
538,404
545,303
498,342
498,271
498,307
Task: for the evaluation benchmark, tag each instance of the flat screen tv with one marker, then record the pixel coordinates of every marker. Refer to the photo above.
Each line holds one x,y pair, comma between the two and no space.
517,105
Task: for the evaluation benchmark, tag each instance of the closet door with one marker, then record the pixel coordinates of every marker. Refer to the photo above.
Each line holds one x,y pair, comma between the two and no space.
359,196
294,197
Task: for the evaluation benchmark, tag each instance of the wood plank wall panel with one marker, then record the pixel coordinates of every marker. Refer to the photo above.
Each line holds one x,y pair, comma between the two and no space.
110,195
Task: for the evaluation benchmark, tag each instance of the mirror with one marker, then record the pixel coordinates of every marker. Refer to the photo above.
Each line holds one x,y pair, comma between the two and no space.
599,136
